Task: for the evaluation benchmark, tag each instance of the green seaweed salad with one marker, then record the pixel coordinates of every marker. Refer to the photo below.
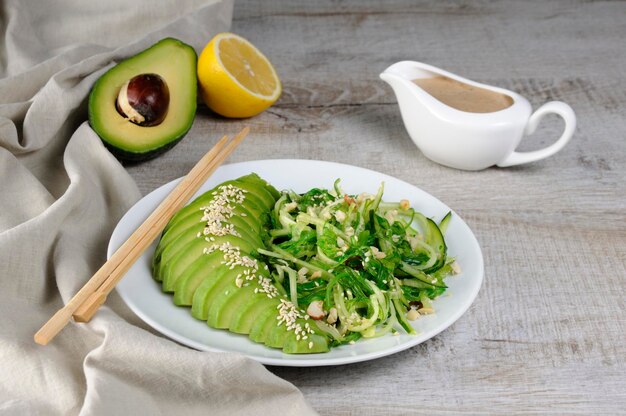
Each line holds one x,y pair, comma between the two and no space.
359,266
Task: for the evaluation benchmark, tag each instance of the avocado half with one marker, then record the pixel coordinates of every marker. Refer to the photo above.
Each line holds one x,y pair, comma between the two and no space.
175,62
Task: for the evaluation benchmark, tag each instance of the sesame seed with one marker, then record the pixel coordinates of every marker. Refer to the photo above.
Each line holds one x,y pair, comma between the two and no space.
288,314
220,209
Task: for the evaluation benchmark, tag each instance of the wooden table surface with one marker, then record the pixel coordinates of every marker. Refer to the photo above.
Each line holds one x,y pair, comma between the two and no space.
546,334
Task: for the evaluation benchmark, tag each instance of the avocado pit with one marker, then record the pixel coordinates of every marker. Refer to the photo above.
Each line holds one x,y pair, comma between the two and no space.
144,100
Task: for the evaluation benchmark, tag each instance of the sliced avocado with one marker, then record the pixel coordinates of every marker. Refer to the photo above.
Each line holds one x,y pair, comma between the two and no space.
256,179
253,177
261,327
277,335
269,325
196,232
183,242
312,344
249,219
224,307
223,303
175,262
193,206
203,267
247,315
243,220
253,190
209,289
296,343
251,203
186,250
248,214
172,60
199,308
204,199
259,191
246,223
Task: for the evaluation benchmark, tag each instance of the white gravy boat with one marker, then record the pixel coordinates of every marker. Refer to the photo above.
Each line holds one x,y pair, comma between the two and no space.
464,140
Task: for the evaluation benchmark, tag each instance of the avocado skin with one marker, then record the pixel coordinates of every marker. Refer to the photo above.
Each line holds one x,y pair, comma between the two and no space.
126,155
131,158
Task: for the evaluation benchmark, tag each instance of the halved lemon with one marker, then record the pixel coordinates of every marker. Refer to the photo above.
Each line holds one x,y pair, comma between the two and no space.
236,79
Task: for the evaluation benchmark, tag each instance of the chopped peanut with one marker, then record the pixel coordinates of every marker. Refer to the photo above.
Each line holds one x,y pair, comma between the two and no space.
316,310
332,316
412,315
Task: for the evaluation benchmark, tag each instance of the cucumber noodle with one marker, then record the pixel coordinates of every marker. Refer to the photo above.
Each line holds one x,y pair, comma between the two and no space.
365,261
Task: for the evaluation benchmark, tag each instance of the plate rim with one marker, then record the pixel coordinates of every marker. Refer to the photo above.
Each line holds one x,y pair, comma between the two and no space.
295,362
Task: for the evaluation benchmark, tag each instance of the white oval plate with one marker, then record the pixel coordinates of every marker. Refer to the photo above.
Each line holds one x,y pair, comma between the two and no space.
143,295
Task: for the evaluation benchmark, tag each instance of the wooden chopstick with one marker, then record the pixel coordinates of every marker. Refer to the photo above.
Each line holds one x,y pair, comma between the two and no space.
88,308
91,296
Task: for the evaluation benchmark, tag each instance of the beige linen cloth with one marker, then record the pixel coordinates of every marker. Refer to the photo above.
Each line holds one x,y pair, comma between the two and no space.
61,194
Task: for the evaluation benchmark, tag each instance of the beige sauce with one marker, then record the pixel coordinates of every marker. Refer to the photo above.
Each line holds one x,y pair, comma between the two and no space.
464,97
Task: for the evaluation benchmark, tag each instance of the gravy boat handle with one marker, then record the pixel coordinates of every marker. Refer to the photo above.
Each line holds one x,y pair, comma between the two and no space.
557,107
